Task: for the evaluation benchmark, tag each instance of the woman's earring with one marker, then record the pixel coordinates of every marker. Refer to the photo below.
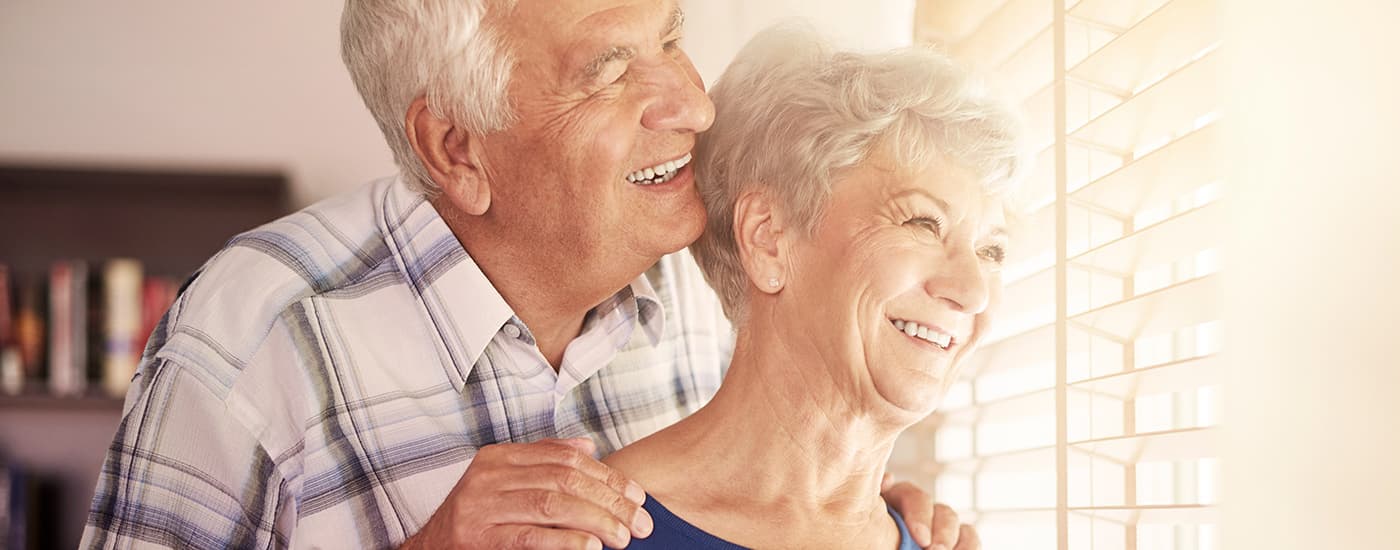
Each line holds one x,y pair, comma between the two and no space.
773,282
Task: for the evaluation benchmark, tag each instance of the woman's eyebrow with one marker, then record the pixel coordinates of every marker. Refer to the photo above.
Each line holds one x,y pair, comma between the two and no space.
907,193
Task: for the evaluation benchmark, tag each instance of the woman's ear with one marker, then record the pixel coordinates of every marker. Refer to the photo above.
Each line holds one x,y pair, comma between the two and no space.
449,154
759,232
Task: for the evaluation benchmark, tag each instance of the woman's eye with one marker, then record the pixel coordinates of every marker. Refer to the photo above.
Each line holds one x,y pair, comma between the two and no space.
934,225
995,253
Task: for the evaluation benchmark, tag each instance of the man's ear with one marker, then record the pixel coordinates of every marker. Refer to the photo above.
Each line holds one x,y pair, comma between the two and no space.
450,154
759,234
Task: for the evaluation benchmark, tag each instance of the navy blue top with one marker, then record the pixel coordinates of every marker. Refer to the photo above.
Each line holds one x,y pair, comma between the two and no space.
673,532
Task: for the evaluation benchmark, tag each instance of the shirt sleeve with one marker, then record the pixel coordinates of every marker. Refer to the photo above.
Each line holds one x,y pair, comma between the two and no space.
182,472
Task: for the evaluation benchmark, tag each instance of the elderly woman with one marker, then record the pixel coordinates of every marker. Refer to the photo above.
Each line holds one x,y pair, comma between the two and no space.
855,237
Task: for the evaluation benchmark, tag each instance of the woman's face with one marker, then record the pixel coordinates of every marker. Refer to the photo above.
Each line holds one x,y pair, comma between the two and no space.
900,280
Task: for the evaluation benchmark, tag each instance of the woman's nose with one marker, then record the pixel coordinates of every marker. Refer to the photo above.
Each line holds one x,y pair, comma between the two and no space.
959,279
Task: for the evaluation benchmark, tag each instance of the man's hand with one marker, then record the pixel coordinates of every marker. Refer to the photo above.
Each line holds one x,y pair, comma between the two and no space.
546,494
934,526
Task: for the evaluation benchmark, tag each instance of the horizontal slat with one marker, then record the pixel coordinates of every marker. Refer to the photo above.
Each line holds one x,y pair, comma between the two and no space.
1164,242
1038,189
1019,350
1039,111
1114,13
1035,403
1029,69
1004,32
1027,303
1027,460
1166,378
1184,514
1001,520
1172,445
1184,304
951,21
1032,247
1160,111
1162,42
1162,175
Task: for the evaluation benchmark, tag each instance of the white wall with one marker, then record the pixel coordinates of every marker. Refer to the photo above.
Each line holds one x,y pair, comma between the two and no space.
252,83
259,83
716,29
1312,401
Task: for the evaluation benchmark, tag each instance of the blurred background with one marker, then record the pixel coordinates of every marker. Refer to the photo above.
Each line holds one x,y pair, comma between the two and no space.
1194,349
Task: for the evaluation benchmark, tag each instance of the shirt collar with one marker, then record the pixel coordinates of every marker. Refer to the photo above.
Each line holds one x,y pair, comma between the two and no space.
460,302
649,311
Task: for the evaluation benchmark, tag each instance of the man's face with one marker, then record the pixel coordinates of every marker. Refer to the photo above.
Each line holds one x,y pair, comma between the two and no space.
602,92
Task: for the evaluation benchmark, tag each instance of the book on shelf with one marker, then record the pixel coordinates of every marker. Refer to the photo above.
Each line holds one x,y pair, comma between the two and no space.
121,289
11,370
78,328
68,324
15,497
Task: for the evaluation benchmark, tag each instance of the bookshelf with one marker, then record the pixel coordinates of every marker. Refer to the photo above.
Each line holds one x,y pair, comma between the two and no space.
170,222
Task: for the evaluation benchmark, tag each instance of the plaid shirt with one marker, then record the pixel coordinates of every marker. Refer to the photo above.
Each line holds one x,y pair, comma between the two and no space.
326,379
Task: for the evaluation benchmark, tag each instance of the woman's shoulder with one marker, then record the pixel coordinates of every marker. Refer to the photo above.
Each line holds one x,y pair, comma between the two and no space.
671,532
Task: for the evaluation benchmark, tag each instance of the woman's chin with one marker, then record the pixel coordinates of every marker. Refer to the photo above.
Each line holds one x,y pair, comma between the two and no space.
916,398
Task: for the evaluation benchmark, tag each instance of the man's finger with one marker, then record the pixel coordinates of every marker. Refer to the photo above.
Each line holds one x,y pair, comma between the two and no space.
568,454
916,507
583,444
945,527
564,511
968,539
552,477
533,537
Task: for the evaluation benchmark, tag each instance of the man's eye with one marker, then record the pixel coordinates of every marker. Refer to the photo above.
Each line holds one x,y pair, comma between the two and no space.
934,225
612,74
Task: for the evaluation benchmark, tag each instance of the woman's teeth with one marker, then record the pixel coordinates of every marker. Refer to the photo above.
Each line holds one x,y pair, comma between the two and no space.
660,173
911,328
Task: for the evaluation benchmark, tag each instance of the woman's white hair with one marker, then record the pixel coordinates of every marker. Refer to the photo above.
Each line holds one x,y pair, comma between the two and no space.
791,114
446,50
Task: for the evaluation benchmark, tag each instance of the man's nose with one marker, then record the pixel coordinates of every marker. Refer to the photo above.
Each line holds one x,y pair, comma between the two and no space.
679,102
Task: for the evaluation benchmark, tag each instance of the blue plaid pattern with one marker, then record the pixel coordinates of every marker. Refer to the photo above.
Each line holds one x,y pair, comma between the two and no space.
325,380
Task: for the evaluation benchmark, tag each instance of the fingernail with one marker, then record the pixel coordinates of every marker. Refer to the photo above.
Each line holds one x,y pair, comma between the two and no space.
641,524
635,493
595,544
923,535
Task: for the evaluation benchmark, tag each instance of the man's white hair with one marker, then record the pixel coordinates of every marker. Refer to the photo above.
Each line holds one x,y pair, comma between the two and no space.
791,113
446,50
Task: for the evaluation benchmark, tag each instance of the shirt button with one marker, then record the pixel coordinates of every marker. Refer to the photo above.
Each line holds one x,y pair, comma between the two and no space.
512,331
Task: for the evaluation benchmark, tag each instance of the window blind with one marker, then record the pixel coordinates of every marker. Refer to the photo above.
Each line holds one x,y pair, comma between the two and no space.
1087,420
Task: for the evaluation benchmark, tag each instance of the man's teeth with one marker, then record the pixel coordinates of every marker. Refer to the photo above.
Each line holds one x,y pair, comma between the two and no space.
660,173
923,333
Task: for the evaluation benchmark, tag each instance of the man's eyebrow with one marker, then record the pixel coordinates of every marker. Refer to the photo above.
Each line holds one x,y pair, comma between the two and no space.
595,66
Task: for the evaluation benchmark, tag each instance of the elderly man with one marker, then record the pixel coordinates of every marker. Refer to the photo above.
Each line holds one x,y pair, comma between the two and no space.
433,361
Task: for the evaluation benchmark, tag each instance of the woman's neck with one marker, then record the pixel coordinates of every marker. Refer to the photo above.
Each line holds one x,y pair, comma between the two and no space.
781,440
